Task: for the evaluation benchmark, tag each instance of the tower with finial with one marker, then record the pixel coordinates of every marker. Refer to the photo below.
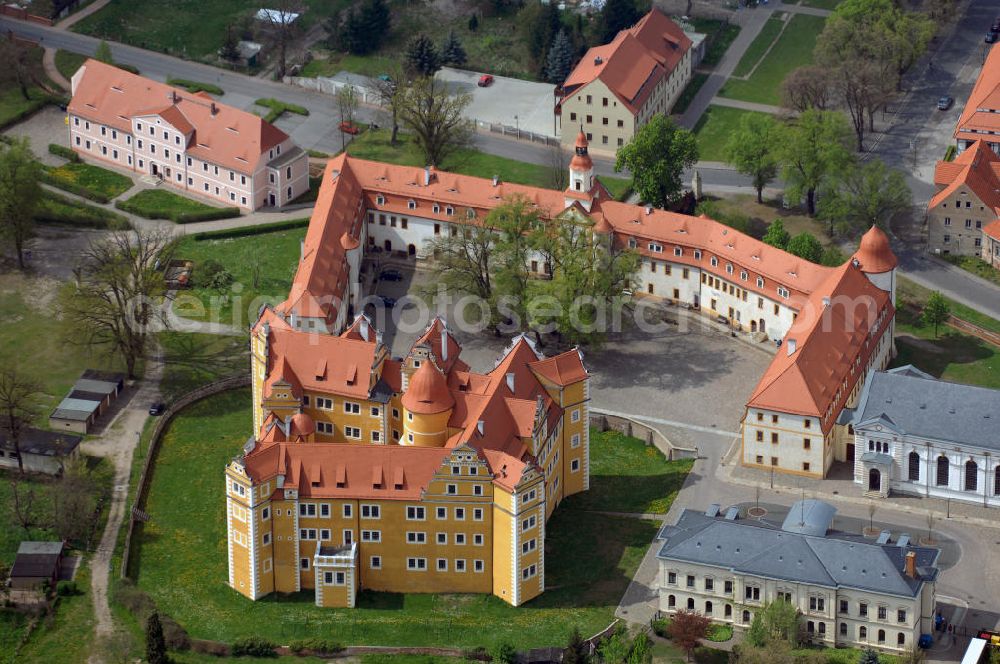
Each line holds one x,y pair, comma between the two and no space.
581,174
875,258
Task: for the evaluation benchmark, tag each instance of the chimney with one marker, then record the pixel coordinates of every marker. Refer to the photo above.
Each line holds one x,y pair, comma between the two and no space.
480,425
649,209
363,328
496,180
214,108
302,249
790,345
444,345
598,60
173,97
510,382
910,565
427,175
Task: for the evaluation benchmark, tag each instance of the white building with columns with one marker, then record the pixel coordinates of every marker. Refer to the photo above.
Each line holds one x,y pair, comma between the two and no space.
921,436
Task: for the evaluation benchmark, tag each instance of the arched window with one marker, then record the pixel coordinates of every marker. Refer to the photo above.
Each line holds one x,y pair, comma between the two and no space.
843,629
914,459
881,636
942,471
708,608
671,601
862,633
746,616
901,639
971,475
822,628
690,604
728,611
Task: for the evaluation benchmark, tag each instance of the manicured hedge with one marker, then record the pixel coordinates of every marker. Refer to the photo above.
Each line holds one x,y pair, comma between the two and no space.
245,231
177,216
72,187
64,152
56,209
196,86
279,107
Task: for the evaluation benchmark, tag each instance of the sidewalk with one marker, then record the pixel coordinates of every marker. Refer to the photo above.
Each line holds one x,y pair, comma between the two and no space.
747,105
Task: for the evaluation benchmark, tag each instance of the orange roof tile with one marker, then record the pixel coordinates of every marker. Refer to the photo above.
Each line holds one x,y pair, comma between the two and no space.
427,392
984,98
874,253
563,369
348,361
992,229
217,133
507,470
977,168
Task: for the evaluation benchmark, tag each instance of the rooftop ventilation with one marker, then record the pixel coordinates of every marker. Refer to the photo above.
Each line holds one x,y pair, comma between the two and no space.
791,345
496,180
480,426
598,60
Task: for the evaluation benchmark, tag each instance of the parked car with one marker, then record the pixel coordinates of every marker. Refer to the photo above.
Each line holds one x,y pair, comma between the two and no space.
349,128
485,81
390,275
944,103
990,37
385,77
156,409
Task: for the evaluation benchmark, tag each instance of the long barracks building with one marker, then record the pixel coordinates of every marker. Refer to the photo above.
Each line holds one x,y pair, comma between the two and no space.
420,475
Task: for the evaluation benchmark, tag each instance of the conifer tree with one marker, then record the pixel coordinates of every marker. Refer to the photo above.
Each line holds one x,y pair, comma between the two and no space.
103,53
452,52
422,56
156,646
559,62
473,23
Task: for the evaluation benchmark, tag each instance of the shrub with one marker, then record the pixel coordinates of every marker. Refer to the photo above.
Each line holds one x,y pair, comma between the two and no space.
479,653
72,187
195,86
176,216
245,231
129,68
279,107
64,152
138,603
315,646
174,635
56,209
66,588
215,275
660,627
504,653
210,648
253,646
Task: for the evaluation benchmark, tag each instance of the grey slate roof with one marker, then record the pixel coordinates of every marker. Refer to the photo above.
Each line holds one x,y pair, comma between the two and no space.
809,517
36,560
42,443
75,409
910,402
763,549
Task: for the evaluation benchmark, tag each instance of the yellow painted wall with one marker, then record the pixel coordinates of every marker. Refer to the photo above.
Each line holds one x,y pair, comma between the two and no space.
426,430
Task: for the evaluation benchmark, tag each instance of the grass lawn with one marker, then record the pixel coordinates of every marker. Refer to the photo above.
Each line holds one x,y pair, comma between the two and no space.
758,47
34,336
976,266
794,220
13,625
181,562
68,62
821,4
192,28
13,105
910,291
375,145
793,49
720,36
713,130
100,182
689,92
64,211
626,475
719,632
161,204
365,65
11,532
68,636
239,256
193,359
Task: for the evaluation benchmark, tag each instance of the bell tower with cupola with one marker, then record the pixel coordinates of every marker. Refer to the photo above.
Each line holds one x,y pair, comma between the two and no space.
581,175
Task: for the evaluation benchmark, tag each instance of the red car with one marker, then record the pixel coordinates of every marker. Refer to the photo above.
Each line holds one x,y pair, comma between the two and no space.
349,128
486,80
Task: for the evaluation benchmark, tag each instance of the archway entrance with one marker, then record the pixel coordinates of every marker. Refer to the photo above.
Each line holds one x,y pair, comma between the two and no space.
753,326
874,480
411,250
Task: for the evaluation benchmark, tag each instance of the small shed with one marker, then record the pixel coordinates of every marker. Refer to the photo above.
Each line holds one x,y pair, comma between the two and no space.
75,415
36,562
90,396
41,451
249,53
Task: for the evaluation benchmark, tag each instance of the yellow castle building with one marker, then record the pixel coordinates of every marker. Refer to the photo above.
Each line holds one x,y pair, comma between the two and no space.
411,475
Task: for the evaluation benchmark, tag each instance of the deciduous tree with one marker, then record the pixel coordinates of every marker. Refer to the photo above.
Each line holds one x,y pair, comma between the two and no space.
347,106
283,25
753,150
805,245
687,629
422,56
814,148
103,53
21,66
865,196
657,156
23,504
19,195
776,235
115,306
936,312
19,407
435,117
463,259
806,87
515,221
74,503
230,51
391,92
616,15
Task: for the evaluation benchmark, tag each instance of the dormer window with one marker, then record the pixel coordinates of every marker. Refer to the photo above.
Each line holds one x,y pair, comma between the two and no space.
411,205
714,261
380,200
470,213
632,244
697,254
743,275
436,208
678,251
658,248
729,268
760,282
449,210
782,291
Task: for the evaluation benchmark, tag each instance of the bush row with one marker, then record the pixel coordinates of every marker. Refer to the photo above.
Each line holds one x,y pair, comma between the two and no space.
195,86
176,216
251,230
56,209
64,152
278,107
72,187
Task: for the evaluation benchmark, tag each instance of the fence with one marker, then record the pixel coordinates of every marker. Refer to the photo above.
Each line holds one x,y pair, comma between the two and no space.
515,132
222,385
603,421
22,14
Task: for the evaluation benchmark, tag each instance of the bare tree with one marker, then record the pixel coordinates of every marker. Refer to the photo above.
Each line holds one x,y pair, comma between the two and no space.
18,405
73,503
436,117
20,68
347,105
806,87
283,25
24,505
114,306
558,167
930,527
390,90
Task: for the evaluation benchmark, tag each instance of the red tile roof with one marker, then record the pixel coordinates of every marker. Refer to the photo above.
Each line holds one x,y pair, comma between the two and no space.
874,254
427,392
217,133
978,114
977,168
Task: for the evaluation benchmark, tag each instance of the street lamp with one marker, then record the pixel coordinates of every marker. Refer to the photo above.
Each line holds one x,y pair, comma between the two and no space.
517,127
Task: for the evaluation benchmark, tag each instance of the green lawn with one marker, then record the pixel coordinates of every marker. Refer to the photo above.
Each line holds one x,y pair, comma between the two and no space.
163,204
181,562
793,49
626,475
275,255
713,131
952,355
689,92
976,266
365,65
821,4
13,625
758,47
908,290
375,145
11,532
70,633
13,105
191,28
100,183
68,62
193,359
38,340
64,211
720,36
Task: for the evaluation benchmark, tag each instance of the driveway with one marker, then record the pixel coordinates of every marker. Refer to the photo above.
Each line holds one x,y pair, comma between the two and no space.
509,101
